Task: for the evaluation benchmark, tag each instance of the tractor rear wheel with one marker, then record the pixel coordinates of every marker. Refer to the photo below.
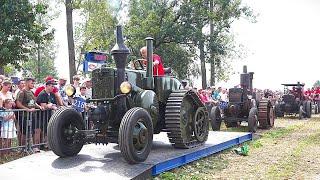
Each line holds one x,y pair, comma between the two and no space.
136,135
265,114
62,129
215,117
187,120
253,120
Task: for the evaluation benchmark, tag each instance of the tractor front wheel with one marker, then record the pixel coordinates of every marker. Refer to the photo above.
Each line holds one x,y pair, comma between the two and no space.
136,135
63,138
253,120
215,117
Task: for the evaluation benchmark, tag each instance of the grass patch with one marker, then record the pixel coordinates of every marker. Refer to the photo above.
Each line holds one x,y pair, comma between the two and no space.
286,167
237,129
256,144
198,169
278,133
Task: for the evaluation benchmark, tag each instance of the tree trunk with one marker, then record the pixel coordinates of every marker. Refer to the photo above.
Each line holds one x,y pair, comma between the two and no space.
1,70
212,62
212,73
38,64
72,66
203,65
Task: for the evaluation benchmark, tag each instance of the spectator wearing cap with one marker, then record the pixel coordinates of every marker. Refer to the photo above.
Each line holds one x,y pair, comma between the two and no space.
47,100
46,97
61,84
55,90
5,92
27,101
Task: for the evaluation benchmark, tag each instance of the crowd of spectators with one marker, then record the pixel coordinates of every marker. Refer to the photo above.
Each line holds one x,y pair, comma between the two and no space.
36,100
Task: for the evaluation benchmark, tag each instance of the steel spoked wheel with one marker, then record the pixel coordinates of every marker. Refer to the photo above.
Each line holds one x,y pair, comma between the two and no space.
136,135
187,121
200,125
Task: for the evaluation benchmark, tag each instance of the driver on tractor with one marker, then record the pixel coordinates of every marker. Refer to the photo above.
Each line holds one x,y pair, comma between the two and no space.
158,69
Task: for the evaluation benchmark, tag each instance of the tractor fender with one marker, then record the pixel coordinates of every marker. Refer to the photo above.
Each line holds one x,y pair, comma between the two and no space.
147,99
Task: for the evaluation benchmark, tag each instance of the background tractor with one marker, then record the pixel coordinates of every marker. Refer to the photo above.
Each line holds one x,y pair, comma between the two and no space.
242,107
128,107
293,101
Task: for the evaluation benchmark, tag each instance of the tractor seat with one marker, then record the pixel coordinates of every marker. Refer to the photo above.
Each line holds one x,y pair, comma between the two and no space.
167,70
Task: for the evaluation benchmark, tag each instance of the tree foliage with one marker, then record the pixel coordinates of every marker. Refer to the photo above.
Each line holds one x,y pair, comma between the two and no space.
179,29
19,30
97,31
46,65
159,20
316,84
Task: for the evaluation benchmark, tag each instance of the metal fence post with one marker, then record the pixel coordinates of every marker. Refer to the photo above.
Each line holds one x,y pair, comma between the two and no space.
29,133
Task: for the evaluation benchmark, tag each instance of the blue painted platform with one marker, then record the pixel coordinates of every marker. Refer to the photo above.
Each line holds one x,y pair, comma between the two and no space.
96,161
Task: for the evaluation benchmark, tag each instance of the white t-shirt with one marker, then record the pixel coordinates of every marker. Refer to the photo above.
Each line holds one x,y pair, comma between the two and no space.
8,95
224,97
8,128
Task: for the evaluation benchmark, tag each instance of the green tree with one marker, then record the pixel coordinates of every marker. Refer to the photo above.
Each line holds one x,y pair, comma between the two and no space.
19,29
159,20
97,31
316,84
47,62
221,43
214,46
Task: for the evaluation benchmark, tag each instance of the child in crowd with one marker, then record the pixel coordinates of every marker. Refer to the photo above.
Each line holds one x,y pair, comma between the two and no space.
8,128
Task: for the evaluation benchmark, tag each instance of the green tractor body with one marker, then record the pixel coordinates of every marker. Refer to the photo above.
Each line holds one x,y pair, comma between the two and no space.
127,107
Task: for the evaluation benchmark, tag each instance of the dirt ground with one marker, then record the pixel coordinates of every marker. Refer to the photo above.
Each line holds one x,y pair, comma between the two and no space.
290,150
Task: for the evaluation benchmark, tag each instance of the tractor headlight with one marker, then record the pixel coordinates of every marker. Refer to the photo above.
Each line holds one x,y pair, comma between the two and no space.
70,90
125,87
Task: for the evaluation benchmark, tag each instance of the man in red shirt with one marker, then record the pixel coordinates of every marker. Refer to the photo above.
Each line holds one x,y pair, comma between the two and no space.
158,69
55,90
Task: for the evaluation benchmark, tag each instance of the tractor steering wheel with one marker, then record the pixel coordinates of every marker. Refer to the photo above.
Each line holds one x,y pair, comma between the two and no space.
140,64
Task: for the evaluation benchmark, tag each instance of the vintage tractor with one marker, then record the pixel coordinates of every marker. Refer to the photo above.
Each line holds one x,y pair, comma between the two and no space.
294,102
242,107
128,107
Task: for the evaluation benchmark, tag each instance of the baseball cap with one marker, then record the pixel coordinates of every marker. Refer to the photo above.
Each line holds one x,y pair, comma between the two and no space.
49,78
51,82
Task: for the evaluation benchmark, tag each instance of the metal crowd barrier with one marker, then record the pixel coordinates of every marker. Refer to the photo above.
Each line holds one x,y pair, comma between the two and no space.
27,132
